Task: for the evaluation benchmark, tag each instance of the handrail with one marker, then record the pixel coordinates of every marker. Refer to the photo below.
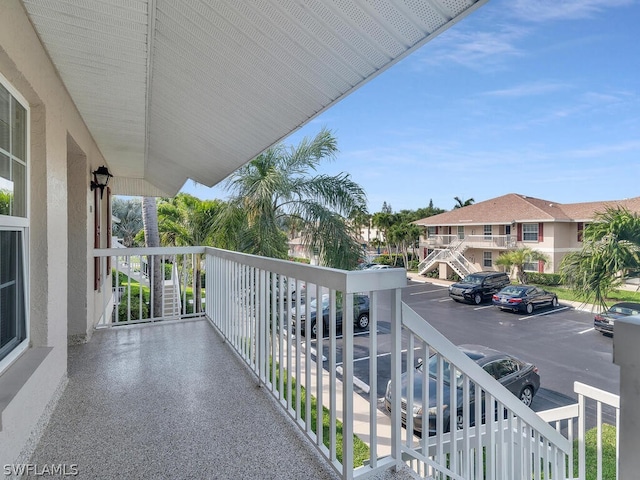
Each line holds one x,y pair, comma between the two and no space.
523,446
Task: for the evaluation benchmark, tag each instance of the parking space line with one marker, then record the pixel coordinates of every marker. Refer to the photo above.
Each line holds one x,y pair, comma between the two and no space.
442,300
544,313
482,308
585,331
428,291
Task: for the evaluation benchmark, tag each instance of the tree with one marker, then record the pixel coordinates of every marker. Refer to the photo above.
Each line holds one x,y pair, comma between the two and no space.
152,239
610,254
185,220
278,186
460,203
129,224
516,260
383,221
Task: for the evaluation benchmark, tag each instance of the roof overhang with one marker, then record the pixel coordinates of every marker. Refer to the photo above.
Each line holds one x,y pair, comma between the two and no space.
173,90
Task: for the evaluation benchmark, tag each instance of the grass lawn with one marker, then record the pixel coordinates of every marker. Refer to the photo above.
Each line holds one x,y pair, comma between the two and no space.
613,297
360,449
608,453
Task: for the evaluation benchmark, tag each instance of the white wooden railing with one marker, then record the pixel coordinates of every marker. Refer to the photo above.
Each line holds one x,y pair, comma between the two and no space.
250,300
511,442
564,419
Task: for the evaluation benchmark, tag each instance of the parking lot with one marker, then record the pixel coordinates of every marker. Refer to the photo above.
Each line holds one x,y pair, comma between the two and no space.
560,341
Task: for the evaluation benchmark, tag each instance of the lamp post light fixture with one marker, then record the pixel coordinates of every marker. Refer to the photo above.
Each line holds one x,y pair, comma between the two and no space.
100,179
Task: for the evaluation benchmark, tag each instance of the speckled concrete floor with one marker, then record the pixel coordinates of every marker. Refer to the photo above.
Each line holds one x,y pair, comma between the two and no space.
170,401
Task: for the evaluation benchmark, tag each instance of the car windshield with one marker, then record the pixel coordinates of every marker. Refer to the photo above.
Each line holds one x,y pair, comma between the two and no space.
325,302
446,370
623,310
472,279
512,291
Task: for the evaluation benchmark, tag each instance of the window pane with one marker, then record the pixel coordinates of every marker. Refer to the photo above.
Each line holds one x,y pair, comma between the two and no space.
19,208
6,185
5,114
12,311
18,148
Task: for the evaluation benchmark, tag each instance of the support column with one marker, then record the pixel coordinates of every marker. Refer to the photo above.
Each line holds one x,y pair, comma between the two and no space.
626,355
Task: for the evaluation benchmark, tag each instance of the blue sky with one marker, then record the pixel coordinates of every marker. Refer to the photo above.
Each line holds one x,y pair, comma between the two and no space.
538,97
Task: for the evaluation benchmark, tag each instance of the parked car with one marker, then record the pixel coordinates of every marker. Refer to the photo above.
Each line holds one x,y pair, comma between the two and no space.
524,298
379,267
476,287
521,378
603,322
360,314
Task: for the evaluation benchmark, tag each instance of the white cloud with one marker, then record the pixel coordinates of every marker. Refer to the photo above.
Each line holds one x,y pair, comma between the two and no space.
546,10
528,89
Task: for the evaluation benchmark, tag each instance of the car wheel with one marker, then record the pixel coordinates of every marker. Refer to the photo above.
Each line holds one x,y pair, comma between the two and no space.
477,299
529,308
554,302
314,329
526,396
363,321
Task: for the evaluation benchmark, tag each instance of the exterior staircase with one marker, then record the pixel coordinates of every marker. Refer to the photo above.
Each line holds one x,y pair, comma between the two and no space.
453,256
171,301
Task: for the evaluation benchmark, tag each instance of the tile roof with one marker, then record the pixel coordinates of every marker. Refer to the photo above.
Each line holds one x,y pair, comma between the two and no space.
514,207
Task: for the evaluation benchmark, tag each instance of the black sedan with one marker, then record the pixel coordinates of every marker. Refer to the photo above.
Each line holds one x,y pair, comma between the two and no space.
603,322
524,298
519,377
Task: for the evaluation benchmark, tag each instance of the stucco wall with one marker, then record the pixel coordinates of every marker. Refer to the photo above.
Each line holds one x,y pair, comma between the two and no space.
25,64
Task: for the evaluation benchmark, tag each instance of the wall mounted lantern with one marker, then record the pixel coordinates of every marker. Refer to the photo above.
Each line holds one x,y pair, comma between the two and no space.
100,179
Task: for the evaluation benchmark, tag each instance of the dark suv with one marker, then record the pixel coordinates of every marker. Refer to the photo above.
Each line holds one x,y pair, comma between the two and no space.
360,314
476,287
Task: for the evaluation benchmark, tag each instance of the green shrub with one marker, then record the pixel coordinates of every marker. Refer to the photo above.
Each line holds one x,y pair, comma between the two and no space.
550,279
135,308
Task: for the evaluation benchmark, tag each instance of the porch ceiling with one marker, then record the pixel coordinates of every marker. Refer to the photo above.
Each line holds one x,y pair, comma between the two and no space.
173,90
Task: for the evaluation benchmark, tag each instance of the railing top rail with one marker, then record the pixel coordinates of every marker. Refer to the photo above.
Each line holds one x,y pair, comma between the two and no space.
603,396
560,413
116,252
343,280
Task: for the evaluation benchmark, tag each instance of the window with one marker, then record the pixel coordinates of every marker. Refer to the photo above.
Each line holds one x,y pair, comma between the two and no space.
530,232
13,224
460,232
487,232
431,232
487,260
531,267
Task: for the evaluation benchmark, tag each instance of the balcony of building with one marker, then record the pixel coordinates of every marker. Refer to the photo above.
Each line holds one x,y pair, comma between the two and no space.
236,390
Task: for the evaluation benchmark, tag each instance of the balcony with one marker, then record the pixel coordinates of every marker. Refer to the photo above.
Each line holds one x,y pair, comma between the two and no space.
502,242
221,393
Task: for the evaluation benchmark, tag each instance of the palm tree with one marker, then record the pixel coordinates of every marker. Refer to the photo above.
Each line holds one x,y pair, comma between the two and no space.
186,220
129,215
460,203
383,221
152,239
516,260
279,185
610,254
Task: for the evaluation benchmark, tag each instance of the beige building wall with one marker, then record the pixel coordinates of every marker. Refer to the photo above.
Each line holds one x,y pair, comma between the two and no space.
34,381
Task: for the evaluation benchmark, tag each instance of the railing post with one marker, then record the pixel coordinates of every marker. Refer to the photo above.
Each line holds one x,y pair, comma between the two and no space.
396,373
625,355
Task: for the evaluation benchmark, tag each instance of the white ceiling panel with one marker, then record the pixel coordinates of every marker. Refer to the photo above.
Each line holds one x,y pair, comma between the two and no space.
179,89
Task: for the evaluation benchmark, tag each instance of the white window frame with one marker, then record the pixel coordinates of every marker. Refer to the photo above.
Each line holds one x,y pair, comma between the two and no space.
21,225
487,232
530,267
530,232
487,256
431,232
460,232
